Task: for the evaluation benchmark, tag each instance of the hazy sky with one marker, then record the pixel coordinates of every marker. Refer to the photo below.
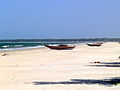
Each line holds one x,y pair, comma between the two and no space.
59,19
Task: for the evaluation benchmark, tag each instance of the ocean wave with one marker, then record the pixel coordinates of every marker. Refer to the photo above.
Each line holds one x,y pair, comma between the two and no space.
5,46
21,48
18,45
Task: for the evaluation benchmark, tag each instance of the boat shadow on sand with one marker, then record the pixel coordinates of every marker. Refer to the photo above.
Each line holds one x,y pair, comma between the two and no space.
107,64
106,82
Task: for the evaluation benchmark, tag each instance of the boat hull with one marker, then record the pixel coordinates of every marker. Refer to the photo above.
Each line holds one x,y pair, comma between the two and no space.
94,45
60,47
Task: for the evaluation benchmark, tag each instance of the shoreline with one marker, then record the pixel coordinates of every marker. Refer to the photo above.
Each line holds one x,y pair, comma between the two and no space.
37,47
32,47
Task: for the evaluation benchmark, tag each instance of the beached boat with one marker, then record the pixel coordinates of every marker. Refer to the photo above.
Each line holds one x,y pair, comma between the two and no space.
94,44
61,47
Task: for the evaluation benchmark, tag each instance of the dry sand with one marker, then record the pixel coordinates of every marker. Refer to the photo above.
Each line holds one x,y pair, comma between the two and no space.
45,69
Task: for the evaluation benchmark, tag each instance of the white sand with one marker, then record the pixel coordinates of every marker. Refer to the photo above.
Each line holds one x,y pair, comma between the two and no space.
19,69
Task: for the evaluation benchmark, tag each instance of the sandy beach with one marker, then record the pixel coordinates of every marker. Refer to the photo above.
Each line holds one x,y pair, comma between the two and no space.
45,69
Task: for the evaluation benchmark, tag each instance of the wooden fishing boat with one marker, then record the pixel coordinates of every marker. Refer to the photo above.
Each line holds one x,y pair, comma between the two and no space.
61,47
94,44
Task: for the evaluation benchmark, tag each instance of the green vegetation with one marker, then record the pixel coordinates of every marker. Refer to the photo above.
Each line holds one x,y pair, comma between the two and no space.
117,84
62,40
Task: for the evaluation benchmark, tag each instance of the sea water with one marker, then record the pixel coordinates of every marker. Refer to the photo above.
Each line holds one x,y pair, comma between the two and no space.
27,45
19,44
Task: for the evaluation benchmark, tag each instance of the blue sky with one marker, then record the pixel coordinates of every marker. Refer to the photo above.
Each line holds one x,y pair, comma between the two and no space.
59,19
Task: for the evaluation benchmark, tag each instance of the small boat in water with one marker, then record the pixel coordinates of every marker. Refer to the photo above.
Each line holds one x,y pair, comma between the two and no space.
94,44
61,47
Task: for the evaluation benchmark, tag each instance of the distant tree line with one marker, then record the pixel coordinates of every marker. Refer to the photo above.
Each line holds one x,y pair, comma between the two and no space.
62,40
